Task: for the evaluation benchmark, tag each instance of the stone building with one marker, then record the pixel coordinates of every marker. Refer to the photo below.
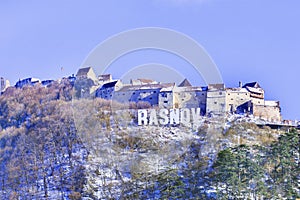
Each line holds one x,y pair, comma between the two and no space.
104,78
107,90
212,100
216,99
269,110
257,94
191,97
86,73
236,97
187,96
166,98
183,96
86,83
141,93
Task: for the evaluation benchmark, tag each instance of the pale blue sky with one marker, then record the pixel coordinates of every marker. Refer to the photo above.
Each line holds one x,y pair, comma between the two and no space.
249,40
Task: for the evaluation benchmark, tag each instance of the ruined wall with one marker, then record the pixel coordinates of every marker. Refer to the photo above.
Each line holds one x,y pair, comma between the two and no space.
270,113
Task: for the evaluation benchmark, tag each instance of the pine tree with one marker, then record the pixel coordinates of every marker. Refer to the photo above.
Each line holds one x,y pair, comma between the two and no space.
285,159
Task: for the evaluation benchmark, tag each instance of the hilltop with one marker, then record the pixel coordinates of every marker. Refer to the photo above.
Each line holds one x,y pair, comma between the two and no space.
54,146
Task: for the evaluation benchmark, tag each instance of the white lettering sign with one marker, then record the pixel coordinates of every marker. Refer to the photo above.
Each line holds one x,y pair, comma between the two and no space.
184,116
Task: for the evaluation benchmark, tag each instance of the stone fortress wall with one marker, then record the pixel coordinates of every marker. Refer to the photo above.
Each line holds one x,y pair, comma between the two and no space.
214,99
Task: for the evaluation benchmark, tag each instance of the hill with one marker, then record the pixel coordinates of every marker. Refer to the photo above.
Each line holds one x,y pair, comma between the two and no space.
55,147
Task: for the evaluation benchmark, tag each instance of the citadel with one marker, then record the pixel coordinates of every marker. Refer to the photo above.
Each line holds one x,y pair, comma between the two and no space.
213,99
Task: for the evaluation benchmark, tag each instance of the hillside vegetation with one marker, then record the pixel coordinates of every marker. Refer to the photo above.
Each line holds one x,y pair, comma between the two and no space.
55,147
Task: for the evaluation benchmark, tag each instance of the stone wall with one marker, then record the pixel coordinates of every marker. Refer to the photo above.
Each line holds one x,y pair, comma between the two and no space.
147,95
167,100
270,113
216,102
192,99
235,98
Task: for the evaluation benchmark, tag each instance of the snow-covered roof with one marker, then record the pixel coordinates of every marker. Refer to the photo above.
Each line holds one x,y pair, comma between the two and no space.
242,90
272,103
35,80
83,71
142,81
255,90
189,89
145,87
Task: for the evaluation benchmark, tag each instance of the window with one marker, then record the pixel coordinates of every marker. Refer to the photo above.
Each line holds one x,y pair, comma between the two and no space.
165,101
154,92
215,102
220,93
150,98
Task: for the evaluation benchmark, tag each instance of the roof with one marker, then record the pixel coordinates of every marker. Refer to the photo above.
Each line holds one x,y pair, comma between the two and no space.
168,89
272,103
252,84
143,80
255,90
189,89
244,90
216,86
185,83
83,71
145,87
105,77
109,85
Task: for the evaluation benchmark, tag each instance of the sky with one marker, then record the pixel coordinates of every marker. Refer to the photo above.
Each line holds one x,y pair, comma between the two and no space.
249,40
